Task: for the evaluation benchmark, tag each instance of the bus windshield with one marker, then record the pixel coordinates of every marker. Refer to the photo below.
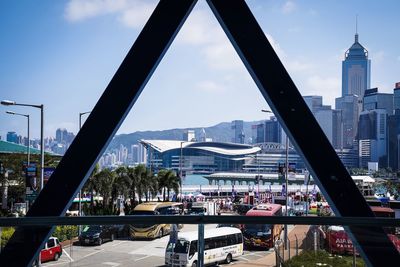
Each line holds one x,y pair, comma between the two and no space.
258,229
181,246
142,212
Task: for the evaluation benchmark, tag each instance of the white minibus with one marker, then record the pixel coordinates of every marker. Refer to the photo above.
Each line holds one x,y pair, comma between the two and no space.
220,245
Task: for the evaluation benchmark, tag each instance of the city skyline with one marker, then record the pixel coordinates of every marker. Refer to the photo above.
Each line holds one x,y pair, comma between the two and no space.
67,55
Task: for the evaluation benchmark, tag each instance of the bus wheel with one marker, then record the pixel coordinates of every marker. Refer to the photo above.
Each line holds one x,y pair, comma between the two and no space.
228,258
194,264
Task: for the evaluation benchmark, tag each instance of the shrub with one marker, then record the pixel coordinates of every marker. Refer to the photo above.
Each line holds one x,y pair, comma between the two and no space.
66,232
6,234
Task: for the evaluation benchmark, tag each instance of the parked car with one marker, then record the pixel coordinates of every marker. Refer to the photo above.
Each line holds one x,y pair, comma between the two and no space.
97,234
52,250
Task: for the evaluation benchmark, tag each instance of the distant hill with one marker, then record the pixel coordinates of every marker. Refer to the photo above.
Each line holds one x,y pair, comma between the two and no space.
220,133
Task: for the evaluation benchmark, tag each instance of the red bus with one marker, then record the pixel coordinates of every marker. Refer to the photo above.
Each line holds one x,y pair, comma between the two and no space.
263,235
339,242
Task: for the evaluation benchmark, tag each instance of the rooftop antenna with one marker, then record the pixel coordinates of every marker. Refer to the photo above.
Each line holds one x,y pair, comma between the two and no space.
356,37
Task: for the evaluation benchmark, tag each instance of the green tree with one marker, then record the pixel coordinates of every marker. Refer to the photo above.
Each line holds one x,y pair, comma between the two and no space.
168,179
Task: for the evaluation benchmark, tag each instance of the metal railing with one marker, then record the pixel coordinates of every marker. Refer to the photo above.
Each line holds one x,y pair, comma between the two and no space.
198,219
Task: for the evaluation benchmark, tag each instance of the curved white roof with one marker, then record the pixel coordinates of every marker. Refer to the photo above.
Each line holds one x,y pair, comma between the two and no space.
230,149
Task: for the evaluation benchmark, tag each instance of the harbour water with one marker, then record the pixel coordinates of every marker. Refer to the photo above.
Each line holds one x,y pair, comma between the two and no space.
195,179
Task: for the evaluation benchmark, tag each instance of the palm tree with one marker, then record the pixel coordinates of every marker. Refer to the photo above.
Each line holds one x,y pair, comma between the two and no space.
168,179
140,176
104,184
134,181
90,185
162,182
122,183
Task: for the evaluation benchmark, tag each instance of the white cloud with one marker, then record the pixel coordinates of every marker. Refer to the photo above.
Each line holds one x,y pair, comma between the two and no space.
132,13
288,7
328,87
210,86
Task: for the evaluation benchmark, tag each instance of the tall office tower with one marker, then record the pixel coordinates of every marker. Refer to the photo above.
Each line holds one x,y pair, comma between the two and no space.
393,136
189,135
135,153
396,98
349,106
238,132
373,127
375,100
314,102
61,135
273,131
258,133
12,137
337,137
324,116
364,153
356,70
328,119
203,136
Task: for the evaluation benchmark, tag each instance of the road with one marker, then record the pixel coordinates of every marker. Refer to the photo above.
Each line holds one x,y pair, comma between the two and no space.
138,253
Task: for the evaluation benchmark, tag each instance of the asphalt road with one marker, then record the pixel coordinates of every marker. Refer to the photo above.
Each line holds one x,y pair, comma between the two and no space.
138,253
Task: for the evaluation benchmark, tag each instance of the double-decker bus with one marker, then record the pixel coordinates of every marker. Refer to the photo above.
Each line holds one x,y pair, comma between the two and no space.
263,235
220,245
151,231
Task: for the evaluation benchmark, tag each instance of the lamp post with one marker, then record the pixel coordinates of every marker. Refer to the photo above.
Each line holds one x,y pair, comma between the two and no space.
286,182
41,107
28,149
80,190
180,169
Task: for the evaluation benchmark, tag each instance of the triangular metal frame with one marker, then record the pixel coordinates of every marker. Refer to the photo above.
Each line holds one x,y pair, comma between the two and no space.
275,85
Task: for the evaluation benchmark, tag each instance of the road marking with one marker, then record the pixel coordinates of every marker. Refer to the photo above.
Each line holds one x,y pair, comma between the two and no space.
65,252
119,243
90,254
243,258
142,258
111,263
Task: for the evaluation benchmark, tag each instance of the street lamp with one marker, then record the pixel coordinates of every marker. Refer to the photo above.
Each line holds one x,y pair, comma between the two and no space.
80,190
41,107
286,182
180,169
28,146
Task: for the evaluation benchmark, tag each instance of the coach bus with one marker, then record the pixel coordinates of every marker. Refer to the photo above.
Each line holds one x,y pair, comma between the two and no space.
263,235
151,231
220,245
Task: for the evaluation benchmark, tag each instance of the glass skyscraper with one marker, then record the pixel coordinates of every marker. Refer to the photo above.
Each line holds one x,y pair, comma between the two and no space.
356,70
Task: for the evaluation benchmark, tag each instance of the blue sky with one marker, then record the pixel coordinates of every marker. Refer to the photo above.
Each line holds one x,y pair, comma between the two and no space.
64,53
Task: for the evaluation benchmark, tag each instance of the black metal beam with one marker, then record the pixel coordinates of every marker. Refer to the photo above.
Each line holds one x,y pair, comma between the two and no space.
198,219
100,127
299,123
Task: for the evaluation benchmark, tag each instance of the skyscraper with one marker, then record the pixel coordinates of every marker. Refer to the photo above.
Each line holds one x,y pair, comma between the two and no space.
374,128
12,137
273,131
349,105
375,100
356,70
396,100
238,132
